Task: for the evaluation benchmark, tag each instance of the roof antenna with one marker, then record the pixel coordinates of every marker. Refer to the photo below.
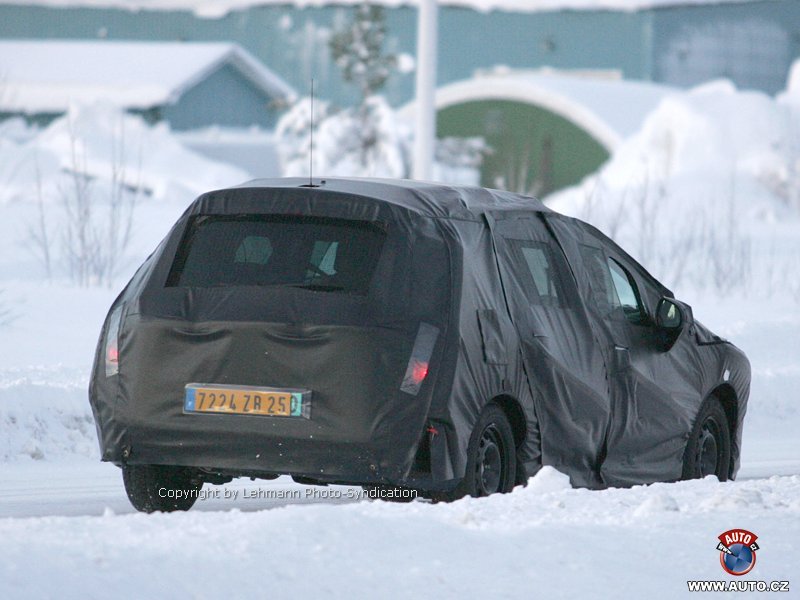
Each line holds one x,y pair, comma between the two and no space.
310,183
311,140
311,144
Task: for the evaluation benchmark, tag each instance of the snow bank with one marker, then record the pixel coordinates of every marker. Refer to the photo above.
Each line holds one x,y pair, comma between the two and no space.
706,195
116,162
46,352
44,415
96,140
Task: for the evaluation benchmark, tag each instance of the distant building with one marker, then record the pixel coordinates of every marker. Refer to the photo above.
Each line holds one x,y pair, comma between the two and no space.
675,42
188,85
544,130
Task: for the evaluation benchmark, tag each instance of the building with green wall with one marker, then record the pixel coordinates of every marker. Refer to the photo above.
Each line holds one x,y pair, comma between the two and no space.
544,130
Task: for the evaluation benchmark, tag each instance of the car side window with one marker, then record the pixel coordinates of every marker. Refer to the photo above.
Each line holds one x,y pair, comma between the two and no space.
614,290
604,297
542,271
627,296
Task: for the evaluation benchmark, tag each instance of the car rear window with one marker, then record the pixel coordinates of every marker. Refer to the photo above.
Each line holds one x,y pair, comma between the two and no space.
321,254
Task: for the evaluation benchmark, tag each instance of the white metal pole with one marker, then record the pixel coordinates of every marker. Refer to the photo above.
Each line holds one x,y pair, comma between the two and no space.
425,117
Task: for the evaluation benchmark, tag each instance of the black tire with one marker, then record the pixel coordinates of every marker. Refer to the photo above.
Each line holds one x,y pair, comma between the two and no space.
708,451
152,488
491,458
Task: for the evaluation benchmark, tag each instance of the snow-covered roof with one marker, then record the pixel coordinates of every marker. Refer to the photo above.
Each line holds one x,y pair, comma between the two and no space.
46,76
608,108
219,8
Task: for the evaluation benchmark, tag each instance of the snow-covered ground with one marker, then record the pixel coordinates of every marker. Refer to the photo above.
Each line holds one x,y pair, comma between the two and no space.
543,541
67,530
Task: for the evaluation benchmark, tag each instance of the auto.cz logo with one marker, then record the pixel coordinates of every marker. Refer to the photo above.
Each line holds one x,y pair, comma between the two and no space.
738,586
737,555
737,551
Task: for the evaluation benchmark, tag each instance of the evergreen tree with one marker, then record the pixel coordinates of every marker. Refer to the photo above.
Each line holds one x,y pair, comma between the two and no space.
360,141
358,50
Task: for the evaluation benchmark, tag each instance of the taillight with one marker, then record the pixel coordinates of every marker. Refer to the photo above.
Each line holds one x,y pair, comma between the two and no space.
419,372
112,342
418,364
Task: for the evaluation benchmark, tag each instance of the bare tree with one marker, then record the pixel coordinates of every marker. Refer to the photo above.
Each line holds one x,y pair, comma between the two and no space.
727,248
122,204
782,178
39,234
79,240
6,314
516,173
93,240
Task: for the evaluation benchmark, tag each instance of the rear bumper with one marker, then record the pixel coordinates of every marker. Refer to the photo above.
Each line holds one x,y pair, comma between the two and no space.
259,454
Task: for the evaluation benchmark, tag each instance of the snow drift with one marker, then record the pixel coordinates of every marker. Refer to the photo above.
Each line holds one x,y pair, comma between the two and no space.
97,140
705,195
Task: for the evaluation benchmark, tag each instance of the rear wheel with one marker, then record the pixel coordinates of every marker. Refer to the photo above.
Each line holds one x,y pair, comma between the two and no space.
708,451
152,488
491,457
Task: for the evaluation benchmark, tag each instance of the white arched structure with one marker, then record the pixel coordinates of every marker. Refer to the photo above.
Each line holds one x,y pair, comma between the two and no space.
608,109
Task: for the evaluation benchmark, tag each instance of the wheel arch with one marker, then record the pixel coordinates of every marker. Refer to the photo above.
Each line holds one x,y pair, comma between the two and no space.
519,428
515,415
726,396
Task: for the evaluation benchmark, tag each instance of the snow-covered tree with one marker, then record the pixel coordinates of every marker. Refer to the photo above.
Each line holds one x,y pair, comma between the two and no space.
293,133
367,140
358,51
361,141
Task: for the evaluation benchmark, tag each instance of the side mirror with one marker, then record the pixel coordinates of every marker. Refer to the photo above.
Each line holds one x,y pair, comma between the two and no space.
672,317
669,315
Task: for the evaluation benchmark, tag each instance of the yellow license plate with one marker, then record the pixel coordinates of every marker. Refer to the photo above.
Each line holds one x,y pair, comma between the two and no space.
244,400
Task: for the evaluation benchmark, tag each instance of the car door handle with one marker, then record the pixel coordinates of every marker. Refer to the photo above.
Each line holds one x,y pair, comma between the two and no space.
623,357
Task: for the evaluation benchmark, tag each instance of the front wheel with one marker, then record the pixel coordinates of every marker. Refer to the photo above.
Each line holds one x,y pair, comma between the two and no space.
708,451
152,488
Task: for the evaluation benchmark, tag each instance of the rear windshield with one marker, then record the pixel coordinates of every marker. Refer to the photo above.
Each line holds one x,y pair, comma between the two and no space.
330,255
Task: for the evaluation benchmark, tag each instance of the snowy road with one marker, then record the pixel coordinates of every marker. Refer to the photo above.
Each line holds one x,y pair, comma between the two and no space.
85,487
